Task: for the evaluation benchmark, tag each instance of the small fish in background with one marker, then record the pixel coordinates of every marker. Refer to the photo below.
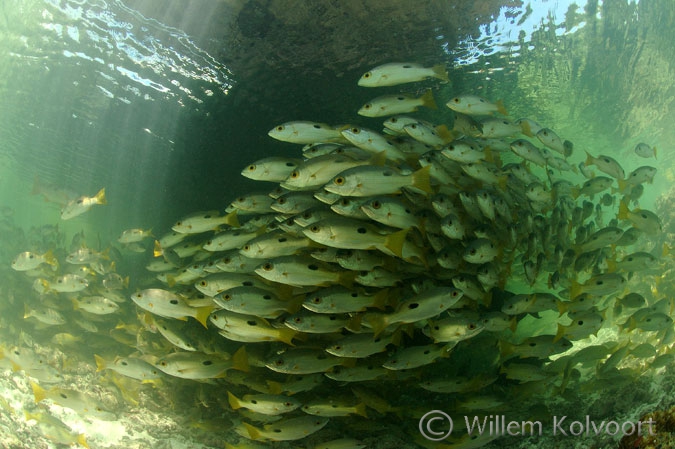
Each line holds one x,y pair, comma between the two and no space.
396,104
607,165
395,73
305,132
85,255
68,283
82,204
549,138
475,105
288,429
28,260
134,235
55,430
51,192
644,150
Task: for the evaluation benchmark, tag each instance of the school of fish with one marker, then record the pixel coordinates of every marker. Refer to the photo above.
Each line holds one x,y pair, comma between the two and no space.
376,275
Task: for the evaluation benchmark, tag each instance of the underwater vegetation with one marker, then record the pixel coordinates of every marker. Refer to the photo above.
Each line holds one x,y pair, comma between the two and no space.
665,422
478,264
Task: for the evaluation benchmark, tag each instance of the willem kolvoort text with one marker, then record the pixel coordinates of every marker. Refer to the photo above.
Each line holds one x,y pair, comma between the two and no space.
497,425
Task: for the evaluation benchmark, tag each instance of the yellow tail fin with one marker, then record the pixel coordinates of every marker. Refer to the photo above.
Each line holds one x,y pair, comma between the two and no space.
394,242
590,160
39,392
82,441
500,107
240,360
428,100
157,250
422,180
441,73
360,410
254,433
233,400
100,197
203,314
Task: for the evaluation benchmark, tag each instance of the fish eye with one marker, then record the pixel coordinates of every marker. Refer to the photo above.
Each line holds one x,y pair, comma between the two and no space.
580,322
316,300
315,228
316,126
203,283
297,320
457,100
251,167
455,293
400,98
280,128
413,126
339,180
376,204
207,362
367,106
361,230
268,267
227,297
295,174
367,75
356,130
472,326
393,120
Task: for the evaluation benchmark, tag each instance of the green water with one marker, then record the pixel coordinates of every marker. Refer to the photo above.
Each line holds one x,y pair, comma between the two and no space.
163,103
